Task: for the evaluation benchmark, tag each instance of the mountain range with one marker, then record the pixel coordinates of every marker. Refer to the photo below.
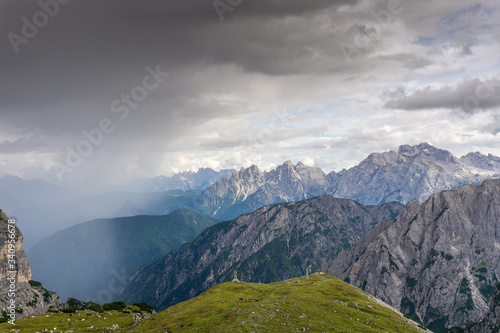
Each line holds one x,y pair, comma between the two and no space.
436,259
438,262
413,172
42,208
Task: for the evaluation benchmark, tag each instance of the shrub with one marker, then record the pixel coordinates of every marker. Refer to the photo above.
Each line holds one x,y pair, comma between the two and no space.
114,306
95,307
34,283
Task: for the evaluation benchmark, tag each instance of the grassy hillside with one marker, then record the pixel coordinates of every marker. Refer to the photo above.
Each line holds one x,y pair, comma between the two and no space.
84,260
320,304
80,321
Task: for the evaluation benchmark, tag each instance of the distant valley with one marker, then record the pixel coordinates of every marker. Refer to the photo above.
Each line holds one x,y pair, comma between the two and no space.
91,261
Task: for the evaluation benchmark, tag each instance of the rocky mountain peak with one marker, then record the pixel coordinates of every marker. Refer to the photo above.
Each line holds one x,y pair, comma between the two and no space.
247,172
426,150
414,172
409,151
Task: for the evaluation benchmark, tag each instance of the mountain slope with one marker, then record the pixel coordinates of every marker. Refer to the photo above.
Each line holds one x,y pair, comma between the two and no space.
491,324
91,260
271,244
438,262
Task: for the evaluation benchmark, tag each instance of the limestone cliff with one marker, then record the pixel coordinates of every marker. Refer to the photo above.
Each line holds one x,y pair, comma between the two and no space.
30,297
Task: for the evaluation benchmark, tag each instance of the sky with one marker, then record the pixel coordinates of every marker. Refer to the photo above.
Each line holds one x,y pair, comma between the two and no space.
94,93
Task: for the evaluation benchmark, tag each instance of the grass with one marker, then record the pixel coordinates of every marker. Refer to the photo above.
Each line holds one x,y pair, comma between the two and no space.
320,304
80,321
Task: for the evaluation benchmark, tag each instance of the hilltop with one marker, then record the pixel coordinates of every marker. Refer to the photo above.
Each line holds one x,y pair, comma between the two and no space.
321,303
318,304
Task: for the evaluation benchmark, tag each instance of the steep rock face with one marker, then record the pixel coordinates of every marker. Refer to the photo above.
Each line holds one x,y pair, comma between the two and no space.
273,243
414,172
298,182
491,323
30,298
437,262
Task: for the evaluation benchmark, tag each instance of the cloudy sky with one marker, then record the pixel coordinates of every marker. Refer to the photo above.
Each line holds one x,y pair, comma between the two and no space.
95,92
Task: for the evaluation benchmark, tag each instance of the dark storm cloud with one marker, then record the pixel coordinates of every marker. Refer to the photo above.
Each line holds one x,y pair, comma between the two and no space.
284,54
468,95
93,51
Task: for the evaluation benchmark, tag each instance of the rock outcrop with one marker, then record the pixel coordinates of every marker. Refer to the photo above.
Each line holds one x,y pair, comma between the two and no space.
29,297
438,262
271,244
